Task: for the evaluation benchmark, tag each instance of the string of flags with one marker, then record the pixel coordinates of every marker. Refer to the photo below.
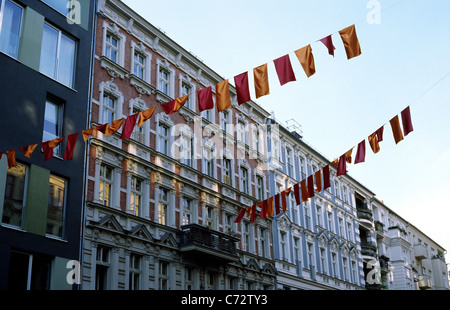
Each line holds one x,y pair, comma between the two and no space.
320,180
284,72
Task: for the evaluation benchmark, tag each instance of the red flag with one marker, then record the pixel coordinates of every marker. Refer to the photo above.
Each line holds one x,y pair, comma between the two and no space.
284,69
28,150
11,155
406,121
48,147
240,216
70,147
318,181
361,153
304,190
328,41
342,166
205,99
379,133
263,209
297,193
174,105
129,126
277,204
253,215
326,177
242,88
311,186
285,193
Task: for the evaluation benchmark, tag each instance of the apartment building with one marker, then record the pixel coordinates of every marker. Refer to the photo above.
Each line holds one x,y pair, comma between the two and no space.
409,259
160,206
45,56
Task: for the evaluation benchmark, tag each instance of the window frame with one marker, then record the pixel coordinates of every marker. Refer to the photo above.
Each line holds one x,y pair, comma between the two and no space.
24,198
65,191
22,13
56,76
104,180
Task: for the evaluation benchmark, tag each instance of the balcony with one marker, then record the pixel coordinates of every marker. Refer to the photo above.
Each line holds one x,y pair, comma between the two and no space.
206,245
365,214
384,264
368,249
420,252
424,281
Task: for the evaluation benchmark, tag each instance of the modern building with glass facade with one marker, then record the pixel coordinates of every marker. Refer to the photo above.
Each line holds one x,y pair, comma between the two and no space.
46,61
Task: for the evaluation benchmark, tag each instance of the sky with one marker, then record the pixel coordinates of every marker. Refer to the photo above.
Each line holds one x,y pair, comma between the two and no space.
404,62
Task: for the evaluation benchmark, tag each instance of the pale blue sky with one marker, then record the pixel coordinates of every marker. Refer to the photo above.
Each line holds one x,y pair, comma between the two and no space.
346,100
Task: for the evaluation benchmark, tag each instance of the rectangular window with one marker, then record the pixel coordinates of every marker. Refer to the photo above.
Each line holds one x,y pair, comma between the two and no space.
163,275
57,55
53,123
224,120
105,184
59,5
163,139
136,194
112,47
135,272
138,132
245,180
139,65
163,206
290,166
101,268
227,171
241,131
164,81
187,210
209,161
29,271
14,203
259,188
109,109
186,90
319,215
11,16
55,211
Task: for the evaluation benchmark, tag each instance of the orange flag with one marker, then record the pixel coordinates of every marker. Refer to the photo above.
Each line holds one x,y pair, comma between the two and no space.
306,59
373,141
396,129
284,194
269,209
174,105
87,133
114,127
349,156
11,155
261,78
145,115
28,150
304,190
351,42
223,98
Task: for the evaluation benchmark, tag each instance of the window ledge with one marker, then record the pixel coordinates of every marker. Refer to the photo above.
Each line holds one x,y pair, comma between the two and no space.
142,87
114,70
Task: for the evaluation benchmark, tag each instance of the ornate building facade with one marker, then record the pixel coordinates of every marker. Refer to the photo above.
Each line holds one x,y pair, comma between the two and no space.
161,206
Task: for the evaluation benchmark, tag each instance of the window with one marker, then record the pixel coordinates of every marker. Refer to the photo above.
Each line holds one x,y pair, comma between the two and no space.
330,221
262,242
53,123
187,90
136,194
210,216
14,203
290,166
246,240
302,168
164,76
334,264
307,217
341,226
59,5
163,275
227,171
209,159
139,65
164,139
336,189
345,267
245,180
112,47
187,210
135,272
310,255
322,260
11,24
29,271
163,206
283,245
319,215
105,184
102,267
260,188
276,149
349,232
208,115
187,150
241,131
55,211
57,55
109,109
224,120
138,132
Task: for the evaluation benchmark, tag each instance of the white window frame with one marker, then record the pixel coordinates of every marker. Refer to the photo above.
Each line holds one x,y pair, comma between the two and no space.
113,30
136,194
139,48
185,80
163,65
